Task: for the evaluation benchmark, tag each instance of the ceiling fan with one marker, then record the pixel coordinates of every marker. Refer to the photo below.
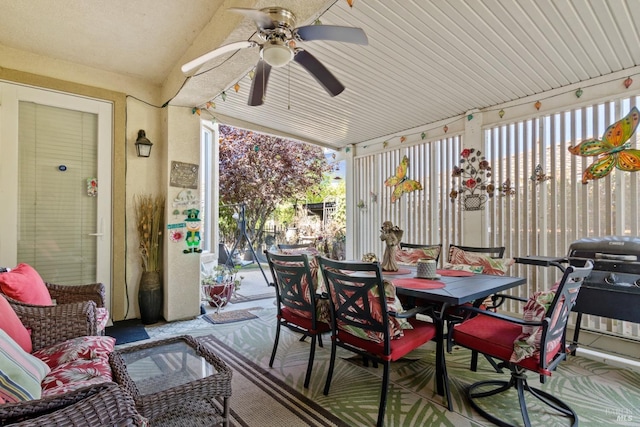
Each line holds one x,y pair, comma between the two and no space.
276,29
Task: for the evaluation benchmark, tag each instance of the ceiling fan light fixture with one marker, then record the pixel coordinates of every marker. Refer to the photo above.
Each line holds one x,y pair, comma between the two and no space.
277,54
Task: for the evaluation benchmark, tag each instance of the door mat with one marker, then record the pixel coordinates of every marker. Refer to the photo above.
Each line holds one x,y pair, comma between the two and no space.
230,316
127,331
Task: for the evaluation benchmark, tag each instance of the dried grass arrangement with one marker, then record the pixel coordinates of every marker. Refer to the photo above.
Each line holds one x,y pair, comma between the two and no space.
150,225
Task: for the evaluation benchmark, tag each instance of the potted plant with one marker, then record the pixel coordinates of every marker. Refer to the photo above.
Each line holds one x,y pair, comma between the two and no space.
219,284
150,224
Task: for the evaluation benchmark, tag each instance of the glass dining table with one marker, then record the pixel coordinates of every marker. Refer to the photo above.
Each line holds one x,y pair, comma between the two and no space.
450,289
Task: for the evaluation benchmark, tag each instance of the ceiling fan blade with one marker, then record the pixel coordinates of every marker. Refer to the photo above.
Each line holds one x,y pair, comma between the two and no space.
333,33
259,84
319,71
262,20
194,64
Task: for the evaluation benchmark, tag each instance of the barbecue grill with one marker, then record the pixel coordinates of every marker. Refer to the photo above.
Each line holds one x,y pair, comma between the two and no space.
613,288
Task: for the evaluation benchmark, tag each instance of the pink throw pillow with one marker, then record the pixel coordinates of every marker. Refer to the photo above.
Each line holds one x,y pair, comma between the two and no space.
24,284
11,324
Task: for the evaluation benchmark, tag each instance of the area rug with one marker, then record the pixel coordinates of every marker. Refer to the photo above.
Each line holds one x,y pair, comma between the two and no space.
260,399
230,316
127,331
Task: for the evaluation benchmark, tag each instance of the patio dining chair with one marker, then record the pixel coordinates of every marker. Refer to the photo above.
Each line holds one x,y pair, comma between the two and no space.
536,343
404,245
297,302
493,252
496,252
363,322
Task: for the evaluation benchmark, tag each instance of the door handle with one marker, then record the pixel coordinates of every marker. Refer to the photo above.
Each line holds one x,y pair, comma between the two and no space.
100,232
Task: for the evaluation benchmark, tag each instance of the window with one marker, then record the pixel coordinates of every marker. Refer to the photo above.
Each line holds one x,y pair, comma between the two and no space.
208,188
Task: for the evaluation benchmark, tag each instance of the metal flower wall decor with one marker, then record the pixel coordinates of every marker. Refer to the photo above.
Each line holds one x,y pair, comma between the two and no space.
472,182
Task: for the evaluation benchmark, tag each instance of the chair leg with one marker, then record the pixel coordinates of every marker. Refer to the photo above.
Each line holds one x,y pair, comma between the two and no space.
275,345
312,352
332,362
474,362
383,394
320,340
519,382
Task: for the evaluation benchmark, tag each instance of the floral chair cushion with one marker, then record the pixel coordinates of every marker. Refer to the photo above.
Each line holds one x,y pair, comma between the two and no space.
102,317
396,325
410,256
76,374
489,265
322,305
527,344
80,348
476,269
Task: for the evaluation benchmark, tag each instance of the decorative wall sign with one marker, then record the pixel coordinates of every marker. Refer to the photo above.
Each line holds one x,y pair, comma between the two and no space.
614,150
186,198
184,175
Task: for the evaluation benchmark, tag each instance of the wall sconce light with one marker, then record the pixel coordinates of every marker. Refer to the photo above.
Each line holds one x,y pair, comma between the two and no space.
143,145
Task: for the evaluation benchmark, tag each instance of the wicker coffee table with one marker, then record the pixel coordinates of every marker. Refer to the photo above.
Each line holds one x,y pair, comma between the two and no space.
175,382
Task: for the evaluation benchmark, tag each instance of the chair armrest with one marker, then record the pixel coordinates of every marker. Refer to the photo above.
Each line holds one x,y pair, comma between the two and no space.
412,312
499,316
101,404
52,324
499,299
65,294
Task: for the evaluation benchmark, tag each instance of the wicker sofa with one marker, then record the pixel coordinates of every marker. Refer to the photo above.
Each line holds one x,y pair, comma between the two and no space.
97,402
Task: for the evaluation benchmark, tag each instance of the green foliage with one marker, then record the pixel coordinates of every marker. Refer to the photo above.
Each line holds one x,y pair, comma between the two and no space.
263,171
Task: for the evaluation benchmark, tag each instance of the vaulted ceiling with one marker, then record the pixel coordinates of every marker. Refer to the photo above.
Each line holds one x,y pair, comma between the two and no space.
426,61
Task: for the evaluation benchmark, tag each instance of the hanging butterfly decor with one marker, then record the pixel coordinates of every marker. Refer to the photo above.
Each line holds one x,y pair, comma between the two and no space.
506,189
539,175
400,183
614,150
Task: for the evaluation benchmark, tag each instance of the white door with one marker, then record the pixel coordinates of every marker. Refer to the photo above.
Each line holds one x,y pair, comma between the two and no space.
55,184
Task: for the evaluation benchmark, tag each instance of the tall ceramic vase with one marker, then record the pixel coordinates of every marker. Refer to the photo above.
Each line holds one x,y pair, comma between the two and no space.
150,297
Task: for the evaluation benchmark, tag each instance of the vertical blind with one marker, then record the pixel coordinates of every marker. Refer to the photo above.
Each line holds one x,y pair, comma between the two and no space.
539,208
57,153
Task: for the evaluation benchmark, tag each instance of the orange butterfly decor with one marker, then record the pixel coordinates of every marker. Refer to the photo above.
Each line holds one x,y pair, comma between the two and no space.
400,182
613,150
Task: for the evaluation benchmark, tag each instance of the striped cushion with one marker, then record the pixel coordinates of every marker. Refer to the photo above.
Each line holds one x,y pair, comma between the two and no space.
20,373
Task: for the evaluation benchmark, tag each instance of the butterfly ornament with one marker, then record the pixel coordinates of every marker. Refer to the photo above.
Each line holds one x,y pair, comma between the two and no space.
614,150
400,183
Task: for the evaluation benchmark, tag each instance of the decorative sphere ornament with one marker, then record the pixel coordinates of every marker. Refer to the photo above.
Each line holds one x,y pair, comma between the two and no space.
236,87
501,113
445,128
470,117
423,135
538,104
579,93
628,82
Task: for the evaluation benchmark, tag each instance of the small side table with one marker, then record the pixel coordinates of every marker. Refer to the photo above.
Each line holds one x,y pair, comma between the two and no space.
175,382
